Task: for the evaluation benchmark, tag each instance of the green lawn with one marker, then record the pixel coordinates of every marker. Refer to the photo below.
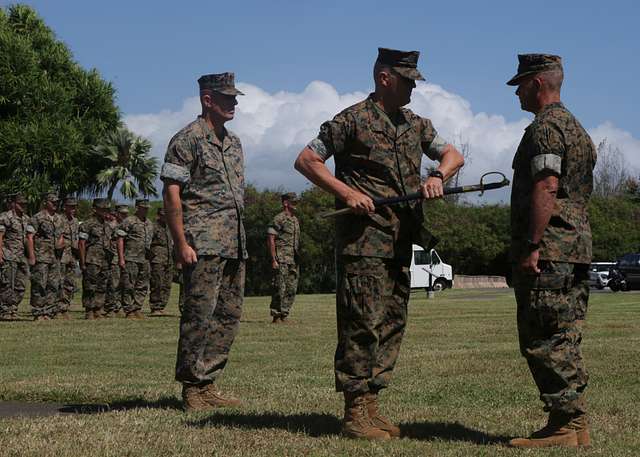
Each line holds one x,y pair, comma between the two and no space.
460,387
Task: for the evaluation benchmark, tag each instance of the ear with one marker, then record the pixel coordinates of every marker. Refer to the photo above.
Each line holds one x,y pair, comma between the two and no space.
385,78
206,99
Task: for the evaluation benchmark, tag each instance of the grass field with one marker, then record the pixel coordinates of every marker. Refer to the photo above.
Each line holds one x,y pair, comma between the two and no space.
460,387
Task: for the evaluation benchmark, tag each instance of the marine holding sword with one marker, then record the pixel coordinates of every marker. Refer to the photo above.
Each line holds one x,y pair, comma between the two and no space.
377,146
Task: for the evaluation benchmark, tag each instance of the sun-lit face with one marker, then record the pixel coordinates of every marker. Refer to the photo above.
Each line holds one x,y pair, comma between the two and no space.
221,107
403,87
70,210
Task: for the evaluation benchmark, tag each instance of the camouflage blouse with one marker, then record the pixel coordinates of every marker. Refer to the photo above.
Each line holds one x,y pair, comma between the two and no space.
286,230
211,176
555,142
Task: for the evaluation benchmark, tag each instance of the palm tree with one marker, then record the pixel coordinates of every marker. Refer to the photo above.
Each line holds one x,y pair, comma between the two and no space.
126,160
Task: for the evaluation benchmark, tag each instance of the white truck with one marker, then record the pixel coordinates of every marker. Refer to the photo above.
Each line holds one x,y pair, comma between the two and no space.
425,263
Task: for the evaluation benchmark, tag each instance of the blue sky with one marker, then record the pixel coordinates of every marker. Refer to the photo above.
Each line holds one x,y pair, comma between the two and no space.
153,52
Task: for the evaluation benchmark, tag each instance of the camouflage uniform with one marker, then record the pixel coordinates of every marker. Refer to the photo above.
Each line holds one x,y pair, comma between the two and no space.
162,266
135,277
14,269
380,157
211,175
45,274
97,266
552,305
113,300
69,229
286,230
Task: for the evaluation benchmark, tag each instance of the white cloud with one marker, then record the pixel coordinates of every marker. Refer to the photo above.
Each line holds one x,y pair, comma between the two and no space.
274,127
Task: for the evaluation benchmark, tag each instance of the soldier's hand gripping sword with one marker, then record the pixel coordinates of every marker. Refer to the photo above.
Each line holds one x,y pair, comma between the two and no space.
481,187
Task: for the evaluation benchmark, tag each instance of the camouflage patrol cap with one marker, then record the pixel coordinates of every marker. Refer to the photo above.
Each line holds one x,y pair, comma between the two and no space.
403,62
142,203
223,83
70,201
101,203
530,64
51,197
17,198
124,209
291,196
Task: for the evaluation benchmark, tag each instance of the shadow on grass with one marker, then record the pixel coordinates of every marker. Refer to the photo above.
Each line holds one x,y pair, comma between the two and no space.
449,431
312,424
316,425
123,405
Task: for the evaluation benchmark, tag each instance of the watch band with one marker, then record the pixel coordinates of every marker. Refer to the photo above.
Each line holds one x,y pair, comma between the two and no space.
436,174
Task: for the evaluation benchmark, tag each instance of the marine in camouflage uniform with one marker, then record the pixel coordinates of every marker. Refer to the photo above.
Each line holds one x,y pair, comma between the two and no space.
378,147
45,274
134,242
94,242
283,241
113,304
162,266
203,176
69,229
14,270
551,249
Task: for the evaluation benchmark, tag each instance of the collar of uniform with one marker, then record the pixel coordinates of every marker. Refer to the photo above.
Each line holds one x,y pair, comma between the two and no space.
211,136
391,129
545,109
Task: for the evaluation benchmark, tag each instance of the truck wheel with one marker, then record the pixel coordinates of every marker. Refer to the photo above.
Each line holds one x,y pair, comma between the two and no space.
613,285
439,285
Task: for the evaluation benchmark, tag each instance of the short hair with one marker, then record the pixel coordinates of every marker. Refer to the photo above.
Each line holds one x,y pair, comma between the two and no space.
553,79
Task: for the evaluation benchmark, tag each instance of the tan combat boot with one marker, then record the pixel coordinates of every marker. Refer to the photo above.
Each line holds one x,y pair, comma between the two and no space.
356,423
276,320
65,316
215,398
558,432
157,312
139,315
581,425
89,315
378,419
192,400
97,314
108,315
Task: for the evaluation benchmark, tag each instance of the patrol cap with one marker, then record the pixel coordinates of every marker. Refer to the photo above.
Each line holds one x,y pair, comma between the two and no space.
51,197
124,209
143,202
403,62
291,196
71,201
17,198
530,64
223,83
101,203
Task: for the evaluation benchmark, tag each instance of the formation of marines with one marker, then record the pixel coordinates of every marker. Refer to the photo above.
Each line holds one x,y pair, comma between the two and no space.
377,146
112,249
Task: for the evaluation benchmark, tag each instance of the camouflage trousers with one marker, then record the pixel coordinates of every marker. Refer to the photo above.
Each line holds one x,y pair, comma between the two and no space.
284,287
113,300
160,284
45,286
13,282
213,290
551,311
371,306
94,287
135,284
67,286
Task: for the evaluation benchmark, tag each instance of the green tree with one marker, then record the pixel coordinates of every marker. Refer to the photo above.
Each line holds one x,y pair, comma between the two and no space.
125,159
52,111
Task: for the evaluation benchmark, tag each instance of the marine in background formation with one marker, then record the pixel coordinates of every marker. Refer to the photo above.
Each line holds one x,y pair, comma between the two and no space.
14,270
134,244
113,304
94,242
283,242
162,265
69,229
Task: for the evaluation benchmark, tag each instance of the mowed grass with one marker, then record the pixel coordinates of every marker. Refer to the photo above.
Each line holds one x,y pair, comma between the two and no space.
460,387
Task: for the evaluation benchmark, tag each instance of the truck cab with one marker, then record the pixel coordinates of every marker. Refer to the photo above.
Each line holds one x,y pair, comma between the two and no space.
426,263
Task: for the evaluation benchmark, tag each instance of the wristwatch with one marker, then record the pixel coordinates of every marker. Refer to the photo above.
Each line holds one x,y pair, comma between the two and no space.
531,246
436,174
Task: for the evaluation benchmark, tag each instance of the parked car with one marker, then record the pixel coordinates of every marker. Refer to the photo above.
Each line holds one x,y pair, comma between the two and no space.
599,274
625,275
